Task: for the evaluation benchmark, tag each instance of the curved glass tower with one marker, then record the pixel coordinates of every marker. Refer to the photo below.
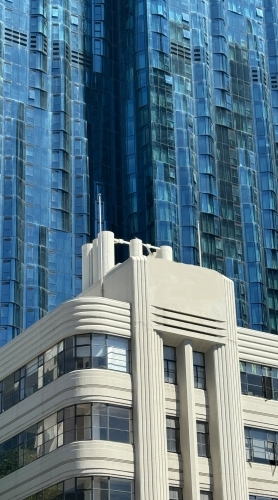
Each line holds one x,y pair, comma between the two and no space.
169,108
203,95
44,162
202,90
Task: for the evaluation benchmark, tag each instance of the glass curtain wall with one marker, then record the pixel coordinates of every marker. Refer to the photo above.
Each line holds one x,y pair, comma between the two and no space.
169,109
106,127
201,114
44,168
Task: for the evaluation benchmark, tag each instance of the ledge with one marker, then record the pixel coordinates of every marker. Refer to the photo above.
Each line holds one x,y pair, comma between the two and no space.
83,458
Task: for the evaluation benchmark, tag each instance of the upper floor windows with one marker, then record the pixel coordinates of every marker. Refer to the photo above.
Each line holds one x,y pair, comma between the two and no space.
199,370
173,434
256,497
170,367
205,495
74,353
80,422
203,439
111,423
175,493
261,446
112,488
170,370
258,380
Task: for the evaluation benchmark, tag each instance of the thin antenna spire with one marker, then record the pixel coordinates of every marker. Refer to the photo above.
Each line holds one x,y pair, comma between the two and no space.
100,243
199,244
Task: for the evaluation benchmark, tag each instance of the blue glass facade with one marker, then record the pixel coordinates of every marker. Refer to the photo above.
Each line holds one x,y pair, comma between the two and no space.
169,108
202,93
44,163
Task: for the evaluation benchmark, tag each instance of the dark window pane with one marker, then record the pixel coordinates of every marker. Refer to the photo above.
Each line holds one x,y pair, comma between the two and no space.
203,439
99,351
83,352
199,370
169,364
69,354
173,438
119,436
50,365
261,445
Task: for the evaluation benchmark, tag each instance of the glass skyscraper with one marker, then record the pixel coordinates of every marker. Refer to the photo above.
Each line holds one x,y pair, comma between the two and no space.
169,109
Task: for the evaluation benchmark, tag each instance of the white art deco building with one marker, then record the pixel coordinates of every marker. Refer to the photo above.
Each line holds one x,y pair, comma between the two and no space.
140,388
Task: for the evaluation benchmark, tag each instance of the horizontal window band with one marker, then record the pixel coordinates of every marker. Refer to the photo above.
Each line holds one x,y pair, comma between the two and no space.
88,487
80,422
79,352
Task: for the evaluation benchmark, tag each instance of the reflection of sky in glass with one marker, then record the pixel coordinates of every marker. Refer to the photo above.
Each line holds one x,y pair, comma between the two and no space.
170,111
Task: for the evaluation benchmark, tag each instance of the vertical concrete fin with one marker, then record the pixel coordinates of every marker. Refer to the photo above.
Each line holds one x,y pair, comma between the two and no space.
188,426
226,421
151,470
135,248
106,252
87,270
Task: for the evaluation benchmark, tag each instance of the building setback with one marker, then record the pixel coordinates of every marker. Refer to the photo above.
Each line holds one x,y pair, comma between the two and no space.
169,109
141,388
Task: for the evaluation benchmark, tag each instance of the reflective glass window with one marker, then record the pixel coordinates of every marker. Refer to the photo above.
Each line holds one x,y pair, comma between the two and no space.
173,434
261,445
170,369
50,365
199,370
74,353
83,352
258,380
117,354
206,495
81,422
111,423
31,384
112,489
99,351
259,497
88,488
175,493
10,391
203,439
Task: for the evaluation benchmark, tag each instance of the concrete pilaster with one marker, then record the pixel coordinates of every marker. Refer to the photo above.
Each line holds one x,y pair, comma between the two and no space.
151,470
185,374
226,422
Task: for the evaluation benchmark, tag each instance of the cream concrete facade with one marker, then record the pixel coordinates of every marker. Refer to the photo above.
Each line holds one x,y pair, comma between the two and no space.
152,301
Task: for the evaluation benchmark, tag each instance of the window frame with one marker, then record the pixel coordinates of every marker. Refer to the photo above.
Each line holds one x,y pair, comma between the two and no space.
69,425
197,377
173,489
203,442
265,378
206,495
64,360
167,362
79,485
173,434
255,451
108,416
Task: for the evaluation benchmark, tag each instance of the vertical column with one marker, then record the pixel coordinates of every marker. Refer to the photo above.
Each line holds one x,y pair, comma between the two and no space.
185,375
106,252
87,270
151,469
226,422
135,248
165,252
96,272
